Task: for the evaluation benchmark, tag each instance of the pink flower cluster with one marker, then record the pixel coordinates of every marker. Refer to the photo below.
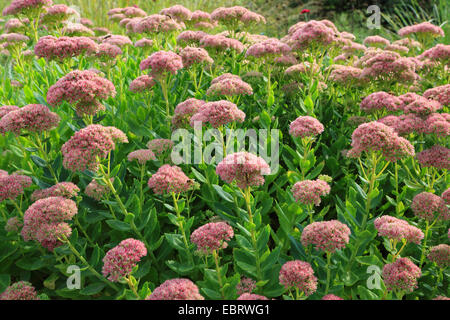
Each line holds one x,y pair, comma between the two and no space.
425,28
120,260
83,88
298,274
11,186
397,229
118,40
169,179
81,151
422,106
308,192
401,275
190,37
142,83
7,109
379,101
305,126
437,157
25,6
194,55
44,220
97,191
375,41
271,47
232,86
440,94
232,15
440,254
141,155
404,124
331,297
143,43
439,52
428,206
76,29
243,167
377,137
246,285
221,43
251,296
160,146
328,236
107,51
184,111
218,113
346,75
154,24
31,118
63,189
162,63
176,289
312,34
212,236
21,290
14,224
129,12
56,14
446,196
177,12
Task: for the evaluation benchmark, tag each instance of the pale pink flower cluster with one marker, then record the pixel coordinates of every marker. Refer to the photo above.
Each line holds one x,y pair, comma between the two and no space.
86,145
200,16
328,236
304,67
13,38
377,137
11,186
86,22
229,87
346,75
438,124
177,12
107,51
153,24
231,16
129,12
439,52
246,285
44,221
52,48
143,43
397,48
221,43
14,224
194,55
286,60
97,191
271,47
176,289
212,236
407,42
21,290
120,260
305,126
170,179
76,29
387,65
243,167
217,113
428,206
25,6
312,34
190,37
331,297
299,275
30,118
353,47
141,155
380,100
15,25
424,28
440,254
184,111
375,41
401,275
309,192
118,40
440,94
142,83
62,189
397,229
160,146
56,14
162,63
83,88
437,157
7,109
101,31
422,106
403,125
251,296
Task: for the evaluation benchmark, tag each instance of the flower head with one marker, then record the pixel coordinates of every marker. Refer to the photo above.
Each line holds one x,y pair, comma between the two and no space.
298,274
437,157
401,275
440,254
379,101
141,155
331,297
62,189
31,118
142,83
251,296
246,285
21,290
309,192
160,146
184,111
212,236
162,63
11,186
218,113
194,55
229,87
97,191
429,206
176,289
326,235
305,126
169,179
397,229
25,6
14,224
52,48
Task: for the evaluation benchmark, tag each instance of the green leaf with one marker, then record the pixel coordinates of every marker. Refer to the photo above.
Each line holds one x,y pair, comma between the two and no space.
92,289
39,161
222,193
28,263
118,225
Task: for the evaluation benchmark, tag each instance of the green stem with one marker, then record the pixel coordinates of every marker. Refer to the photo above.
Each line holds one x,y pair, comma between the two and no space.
180,225
45,156
328,272
132,287
17,207
219,276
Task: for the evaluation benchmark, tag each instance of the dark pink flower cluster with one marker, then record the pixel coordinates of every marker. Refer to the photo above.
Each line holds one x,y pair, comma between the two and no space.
176,289
440,254
162,63
14,224
25,6
190,37
401,275
397,229
246,285
308,192
212,236
97,191
346,75
305,126
312,34
377,137
177,12
11,186
120,260
63,189
437,157
142,83
56,14
331,297
218,113
439,52
7,109
438,124
31,118
379,101
44,220
86,145
271,47
194,55
221,43
160,146
21,290
184,111
440,94
107,51
170,179
328,236
430,207
251,296
243,167
404,124
83,88
298,274
424,28
141,155
422,106
446,196
229,87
